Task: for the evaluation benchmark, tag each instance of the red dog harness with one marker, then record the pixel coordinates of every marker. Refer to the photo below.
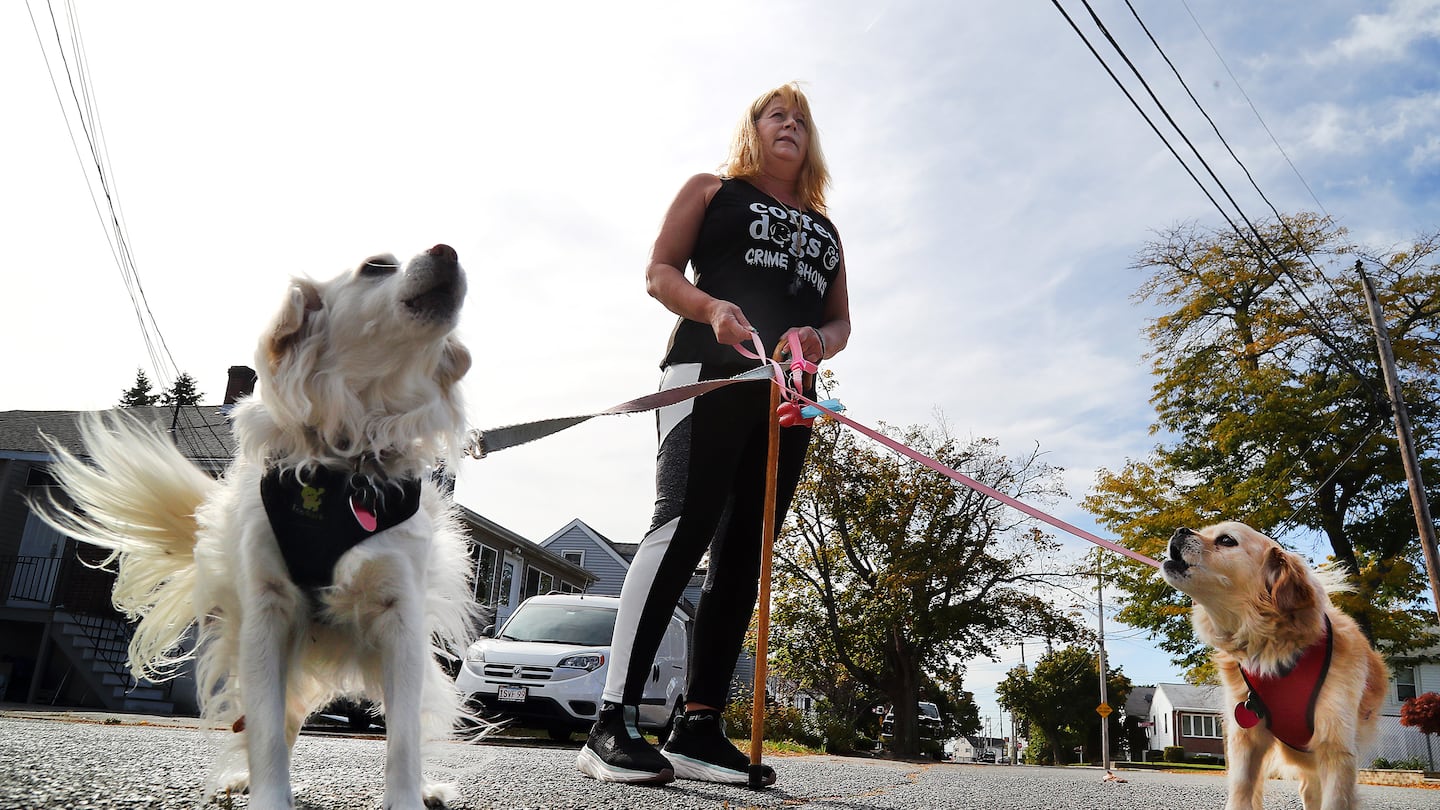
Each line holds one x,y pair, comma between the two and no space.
1287,701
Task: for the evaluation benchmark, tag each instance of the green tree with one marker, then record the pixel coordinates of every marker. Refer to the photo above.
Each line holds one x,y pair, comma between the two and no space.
183,392
1059,698
891,573
1269,395
140,394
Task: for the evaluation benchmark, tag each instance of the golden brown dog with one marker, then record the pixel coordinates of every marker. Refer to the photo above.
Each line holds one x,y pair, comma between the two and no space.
1305,683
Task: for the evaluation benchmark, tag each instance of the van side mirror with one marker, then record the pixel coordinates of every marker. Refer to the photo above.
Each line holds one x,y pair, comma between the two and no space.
488,632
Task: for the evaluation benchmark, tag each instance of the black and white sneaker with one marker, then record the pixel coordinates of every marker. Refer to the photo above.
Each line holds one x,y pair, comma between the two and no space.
699,749
616,751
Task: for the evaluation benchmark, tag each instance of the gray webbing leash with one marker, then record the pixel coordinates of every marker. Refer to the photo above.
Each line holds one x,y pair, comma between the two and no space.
481,443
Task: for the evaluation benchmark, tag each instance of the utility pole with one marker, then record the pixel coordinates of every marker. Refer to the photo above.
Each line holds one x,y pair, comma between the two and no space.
1418,501
1104,708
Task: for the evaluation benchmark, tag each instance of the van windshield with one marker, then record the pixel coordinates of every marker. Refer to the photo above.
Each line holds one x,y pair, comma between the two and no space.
561,624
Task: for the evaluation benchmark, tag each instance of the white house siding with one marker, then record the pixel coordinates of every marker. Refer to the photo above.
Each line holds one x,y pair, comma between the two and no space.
1394,741
1172,700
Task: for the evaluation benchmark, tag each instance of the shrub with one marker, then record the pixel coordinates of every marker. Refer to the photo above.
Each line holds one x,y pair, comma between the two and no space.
1381,764
1174,753
1422,712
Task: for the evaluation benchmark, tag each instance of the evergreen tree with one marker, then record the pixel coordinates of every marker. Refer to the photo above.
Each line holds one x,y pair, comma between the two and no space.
139,395
183,392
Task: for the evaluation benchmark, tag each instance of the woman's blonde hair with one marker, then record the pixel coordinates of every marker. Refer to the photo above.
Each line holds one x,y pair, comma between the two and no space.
747,158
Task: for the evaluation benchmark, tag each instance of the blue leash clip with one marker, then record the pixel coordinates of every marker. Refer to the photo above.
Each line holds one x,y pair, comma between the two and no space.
810,411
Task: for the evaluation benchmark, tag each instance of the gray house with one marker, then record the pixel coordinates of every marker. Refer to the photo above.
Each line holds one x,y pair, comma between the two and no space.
61,641
609,560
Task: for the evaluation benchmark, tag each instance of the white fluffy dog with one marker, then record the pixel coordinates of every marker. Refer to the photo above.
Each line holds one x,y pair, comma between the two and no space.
1305,684
325,562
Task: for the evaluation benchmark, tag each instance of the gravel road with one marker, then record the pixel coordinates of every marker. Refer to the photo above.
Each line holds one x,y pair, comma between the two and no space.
79,762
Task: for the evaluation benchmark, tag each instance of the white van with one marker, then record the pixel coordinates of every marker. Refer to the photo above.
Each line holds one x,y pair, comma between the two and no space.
546,666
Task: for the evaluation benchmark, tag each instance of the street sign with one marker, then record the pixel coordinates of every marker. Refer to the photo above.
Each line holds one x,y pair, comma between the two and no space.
1103,710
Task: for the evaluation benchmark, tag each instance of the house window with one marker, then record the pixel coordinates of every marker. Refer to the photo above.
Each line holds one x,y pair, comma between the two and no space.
566,587
485,566
537,582
1404,683
1201,725
576,557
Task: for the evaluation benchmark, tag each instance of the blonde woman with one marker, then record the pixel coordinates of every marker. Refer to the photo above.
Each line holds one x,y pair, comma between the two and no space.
766,258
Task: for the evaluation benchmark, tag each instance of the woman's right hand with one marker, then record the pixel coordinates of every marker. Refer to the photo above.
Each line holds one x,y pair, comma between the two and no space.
730,325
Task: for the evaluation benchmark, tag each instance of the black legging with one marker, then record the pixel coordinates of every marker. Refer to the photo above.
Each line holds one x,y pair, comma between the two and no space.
710,493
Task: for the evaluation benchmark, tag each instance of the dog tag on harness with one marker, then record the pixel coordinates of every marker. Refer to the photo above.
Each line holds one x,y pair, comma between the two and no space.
1245,717
364,516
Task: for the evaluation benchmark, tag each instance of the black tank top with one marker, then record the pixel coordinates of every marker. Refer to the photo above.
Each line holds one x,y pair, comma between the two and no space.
772,261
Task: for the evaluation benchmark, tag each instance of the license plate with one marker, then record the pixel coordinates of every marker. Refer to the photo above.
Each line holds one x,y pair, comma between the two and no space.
513,694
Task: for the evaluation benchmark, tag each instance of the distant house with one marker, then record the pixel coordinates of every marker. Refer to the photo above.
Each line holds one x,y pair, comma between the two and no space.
61,641
1188,716
609,560
1412,675
1135,721
1194,716
510,569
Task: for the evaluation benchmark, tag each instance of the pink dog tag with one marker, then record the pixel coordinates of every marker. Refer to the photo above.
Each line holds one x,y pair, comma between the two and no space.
1245,717
367,520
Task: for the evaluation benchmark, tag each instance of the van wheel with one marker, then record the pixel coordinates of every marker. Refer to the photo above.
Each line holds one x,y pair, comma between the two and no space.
559,733
663,733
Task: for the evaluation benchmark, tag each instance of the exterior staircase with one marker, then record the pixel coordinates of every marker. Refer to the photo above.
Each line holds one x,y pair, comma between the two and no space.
98,650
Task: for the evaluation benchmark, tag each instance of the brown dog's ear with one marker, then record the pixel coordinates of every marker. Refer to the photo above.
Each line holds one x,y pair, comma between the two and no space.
1288,581
290,322
454,362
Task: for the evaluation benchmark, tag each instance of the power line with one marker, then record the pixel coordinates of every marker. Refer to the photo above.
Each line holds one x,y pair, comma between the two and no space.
1253,109
1216,129
1319,329
1278,265
87,113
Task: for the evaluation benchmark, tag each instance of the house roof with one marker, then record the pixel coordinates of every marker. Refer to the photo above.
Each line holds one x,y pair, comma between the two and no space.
1137,703
616,550
201,432
1202,698
495,534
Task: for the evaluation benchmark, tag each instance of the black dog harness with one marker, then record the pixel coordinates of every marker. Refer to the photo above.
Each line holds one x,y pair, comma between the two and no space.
320,518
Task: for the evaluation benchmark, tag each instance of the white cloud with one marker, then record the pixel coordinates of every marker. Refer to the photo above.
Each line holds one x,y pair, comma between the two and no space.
1389,35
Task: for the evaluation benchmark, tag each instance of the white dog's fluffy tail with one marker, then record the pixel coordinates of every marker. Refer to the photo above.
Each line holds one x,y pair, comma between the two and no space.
137,498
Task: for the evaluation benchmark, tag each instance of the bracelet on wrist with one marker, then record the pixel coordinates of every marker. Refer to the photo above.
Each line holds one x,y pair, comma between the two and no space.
821,338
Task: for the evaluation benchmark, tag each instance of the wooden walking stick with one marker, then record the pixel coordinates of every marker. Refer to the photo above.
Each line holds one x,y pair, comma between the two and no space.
762,621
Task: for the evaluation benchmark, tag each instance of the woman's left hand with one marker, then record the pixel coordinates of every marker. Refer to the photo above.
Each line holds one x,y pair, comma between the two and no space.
812,345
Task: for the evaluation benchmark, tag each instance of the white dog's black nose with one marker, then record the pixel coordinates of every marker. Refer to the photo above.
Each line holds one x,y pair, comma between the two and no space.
1177,540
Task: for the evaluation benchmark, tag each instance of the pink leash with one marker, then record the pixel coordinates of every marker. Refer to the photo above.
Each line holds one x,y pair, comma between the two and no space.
793,392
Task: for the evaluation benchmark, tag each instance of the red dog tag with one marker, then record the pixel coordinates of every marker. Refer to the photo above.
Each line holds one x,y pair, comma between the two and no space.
1245,717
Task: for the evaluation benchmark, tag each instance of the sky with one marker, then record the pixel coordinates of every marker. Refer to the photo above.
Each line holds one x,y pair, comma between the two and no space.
991,183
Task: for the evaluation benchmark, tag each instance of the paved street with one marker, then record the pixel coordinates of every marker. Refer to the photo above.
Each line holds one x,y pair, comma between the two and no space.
77,762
